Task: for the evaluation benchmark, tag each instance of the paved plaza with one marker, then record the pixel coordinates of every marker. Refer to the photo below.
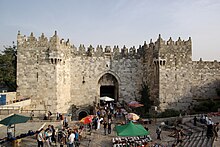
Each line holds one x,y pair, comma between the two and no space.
95,139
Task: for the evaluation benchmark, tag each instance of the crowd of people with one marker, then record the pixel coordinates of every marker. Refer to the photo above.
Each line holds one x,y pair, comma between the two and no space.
212,128
64,136
103,116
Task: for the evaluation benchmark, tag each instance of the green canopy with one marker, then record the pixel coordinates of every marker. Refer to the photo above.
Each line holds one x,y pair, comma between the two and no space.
14,119
131,129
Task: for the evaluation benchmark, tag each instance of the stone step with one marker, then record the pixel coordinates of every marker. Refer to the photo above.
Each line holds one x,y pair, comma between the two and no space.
194,128
202,138
207,142
195,143
186,129
187,139
210,143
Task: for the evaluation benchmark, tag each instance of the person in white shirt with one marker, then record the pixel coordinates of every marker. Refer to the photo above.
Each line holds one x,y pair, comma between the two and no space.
40,138
71,139
209,122
9,132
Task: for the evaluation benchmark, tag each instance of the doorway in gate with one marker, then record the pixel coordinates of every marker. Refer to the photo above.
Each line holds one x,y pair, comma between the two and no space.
107,91
82,114
108,86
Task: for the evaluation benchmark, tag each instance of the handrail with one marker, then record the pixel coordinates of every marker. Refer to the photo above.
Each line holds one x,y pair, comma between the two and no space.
9,107
35,111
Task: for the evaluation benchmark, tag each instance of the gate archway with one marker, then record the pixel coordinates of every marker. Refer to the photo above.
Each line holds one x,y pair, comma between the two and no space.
81,113
108,86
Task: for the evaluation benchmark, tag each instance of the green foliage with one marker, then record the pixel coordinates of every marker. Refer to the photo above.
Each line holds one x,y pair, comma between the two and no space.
145,100
207,106
8,64
169,113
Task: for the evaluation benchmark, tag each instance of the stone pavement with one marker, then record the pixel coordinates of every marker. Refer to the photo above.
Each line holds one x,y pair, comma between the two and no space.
217,143
96,139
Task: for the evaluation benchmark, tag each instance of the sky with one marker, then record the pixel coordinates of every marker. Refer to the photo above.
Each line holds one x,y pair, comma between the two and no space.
116,22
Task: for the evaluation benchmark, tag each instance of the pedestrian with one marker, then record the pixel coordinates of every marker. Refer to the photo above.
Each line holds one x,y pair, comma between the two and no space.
40,138
58,115
98,123
215,130
46,116
180,136
95,122
49,115
109,116
76,138
47,137
53,137
194,120
9,132
62,135
109,126
32,114
98,113
105,126
203,119
65,122
71,139
158,131
209,132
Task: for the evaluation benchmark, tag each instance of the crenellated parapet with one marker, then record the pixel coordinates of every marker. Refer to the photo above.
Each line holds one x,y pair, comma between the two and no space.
55,44
32,42
179,42
170,42
174,53
206,64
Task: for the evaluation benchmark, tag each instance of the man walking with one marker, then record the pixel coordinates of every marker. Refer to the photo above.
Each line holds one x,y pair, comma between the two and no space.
105,126
109,127
158,131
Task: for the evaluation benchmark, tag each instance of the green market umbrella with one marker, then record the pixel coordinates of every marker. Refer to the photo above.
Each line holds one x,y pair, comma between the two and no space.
14,119
131,129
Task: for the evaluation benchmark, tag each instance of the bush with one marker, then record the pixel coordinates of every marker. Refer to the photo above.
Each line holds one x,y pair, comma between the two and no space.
207,106
169,113
201,108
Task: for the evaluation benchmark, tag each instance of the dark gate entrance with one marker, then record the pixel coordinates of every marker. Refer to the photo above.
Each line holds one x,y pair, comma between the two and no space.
107,91
108,86
82,114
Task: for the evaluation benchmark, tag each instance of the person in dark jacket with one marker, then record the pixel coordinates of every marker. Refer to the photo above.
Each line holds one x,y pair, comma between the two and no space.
105,126
109,127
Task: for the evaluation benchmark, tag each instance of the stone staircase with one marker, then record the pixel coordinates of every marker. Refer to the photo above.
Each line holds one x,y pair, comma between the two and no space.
197,138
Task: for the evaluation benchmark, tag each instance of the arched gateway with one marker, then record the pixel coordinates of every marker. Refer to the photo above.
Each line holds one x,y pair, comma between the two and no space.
108,86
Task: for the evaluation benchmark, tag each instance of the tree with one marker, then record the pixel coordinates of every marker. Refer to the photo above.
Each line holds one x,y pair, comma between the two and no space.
8,66
145,100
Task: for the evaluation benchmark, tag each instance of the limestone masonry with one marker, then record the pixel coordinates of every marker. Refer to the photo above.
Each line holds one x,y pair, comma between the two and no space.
57,75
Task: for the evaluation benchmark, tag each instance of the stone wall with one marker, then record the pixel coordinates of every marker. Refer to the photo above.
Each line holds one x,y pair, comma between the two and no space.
181,80
205,79
57,75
